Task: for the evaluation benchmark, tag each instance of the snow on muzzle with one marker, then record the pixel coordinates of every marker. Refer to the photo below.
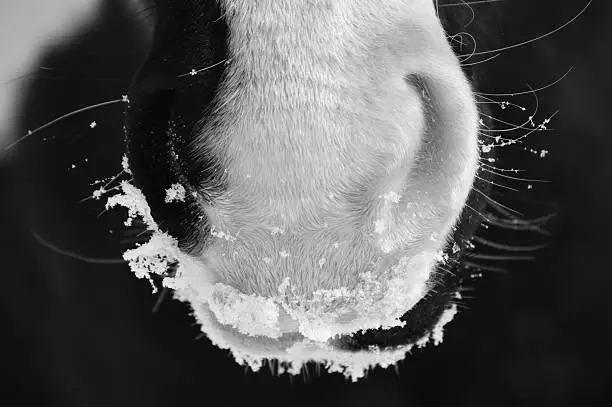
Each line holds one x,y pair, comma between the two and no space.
302,168
256,329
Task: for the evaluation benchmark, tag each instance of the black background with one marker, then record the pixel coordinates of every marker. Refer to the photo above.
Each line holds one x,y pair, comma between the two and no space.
79,334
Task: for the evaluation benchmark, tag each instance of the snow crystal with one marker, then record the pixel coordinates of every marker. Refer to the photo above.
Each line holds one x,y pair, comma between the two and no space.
176,192
250,314
221,235
438,331
391,196
232,319
380,226
125,164
135,202
97,194
276,231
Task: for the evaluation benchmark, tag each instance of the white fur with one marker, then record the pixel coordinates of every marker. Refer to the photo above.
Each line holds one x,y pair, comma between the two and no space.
315,121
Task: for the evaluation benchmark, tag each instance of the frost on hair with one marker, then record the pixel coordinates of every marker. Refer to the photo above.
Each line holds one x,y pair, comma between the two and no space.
219,307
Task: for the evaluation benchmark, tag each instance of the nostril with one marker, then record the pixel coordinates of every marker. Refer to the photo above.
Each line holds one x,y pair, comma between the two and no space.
424,193
418,83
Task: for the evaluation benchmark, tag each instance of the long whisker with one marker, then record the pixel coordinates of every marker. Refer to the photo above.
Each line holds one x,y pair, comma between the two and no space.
86,259
526,92
194,72
516,171
468,3
498,257
474,210
479,62
484,267
494,221
473,17
509,248
496,184
502,105
520,44
471,37
511,177
123,99
495,202
446,269
522,125
160,299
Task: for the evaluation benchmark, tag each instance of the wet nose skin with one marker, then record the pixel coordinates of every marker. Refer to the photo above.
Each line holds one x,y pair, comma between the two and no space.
298,116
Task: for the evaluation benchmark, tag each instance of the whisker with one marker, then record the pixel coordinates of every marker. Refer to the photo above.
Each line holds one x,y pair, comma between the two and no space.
495,184
194,72
496,138
493,221
529,91
514,126
499,257
471,37
470,3
502,104
133,240
464,307
484,267
102,192
537,128
102,213
474,210
68,253
75,112
509,248
141,234
496,203
535,221
135,229
482,163
480,62
114,179
160,299
520,44
513,178
515,220
446,269
473,17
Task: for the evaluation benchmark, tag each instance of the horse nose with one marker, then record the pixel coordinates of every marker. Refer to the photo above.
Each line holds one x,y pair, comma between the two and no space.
327,141
363,123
